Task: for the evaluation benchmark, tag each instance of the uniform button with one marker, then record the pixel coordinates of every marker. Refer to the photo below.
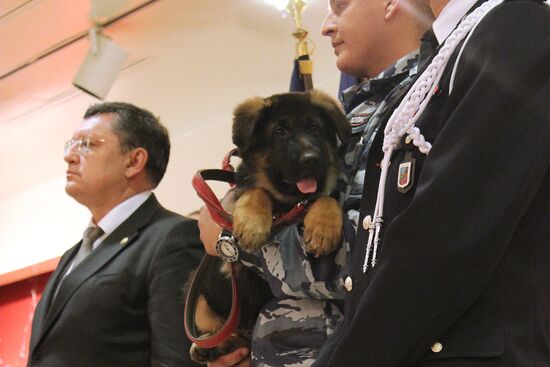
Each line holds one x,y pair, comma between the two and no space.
367,221
348,283
437,347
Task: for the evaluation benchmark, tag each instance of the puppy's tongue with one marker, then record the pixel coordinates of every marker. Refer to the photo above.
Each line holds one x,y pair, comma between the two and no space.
307,185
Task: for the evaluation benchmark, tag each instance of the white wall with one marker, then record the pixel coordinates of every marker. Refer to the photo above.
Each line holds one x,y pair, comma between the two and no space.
201,58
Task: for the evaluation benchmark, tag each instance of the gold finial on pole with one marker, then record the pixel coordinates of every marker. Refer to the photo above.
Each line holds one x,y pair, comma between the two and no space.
295,9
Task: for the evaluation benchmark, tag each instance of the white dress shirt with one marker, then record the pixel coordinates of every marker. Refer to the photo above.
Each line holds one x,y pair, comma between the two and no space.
115,217
119,214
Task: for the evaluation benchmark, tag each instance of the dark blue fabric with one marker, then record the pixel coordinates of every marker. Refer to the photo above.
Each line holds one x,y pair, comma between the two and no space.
346,81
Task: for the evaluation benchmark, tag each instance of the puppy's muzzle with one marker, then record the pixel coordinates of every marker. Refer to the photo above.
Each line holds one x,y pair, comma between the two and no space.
309,160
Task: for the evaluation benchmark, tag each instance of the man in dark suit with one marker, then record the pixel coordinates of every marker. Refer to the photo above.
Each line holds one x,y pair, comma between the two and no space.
118,300
460,273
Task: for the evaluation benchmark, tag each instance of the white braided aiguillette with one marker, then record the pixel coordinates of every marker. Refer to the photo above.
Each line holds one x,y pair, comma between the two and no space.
403,119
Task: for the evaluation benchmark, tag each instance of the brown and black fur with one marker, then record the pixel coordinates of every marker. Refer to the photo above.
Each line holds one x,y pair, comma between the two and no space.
281,140
214,306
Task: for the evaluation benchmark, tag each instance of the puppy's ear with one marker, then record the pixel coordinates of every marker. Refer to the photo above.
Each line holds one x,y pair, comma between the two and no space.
334,112
245,118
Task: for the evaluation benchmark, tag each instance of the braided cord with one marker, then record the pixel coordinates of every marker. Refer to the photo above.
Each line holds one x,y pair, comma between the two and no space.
404,117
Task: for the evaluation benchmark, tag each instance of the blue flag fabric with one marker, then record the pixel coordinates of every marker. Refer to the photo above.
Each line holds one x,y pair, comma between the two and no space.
346,81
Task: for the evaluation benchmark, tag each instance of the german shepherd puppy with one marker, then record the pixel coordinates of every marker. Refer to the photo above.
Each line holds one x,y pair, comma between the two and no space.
288,144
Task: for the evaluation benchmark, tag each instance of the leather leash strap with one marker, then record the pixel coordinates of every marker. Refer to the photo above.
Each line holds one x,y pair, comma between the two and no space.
224,219
219,215
209,341
226,174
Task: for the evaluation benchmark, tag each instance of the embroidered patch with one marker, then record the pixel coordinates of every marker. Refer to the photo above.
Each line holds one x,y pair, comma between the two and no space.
405,173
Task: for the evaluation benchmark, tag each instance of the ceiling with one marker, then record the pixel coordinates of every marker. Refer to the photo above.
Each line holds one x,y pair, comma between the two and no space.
43,43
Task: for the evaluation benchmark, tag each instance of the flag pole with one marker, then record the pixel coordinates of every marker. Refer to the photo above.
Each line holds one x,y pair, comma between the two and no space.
295,9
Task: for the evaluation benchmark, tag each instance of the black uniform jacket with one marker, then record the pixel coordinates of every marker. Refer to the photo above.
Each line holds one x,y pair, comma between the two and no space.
463,273
123,305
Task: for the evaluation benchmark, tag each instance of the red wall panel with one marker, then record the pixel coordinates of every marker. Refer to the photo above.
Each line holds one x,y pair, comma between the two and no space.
17,303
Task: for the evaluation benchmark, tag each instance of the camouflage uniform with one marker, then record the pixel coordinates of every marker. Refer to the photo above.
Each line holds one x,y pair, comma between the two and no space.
309,291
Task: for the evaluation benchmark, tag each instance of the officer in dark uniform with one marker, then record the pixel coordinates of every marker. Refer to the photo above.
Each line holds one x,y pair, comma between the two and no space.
452,265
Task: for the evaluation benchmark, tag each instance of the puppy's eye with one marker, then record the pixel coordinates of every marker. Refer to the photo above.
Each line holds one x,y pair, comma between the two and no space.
279,132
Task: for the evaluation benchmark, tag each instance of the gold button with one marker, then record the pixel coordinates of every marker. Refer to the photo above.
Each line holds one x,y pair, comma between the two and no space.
408,139
124,241
348,283
437,347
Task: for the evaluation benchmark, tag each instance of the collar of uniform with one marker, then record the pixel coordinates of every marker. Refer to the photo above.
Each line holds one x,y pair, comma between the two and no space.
403,65
449,17
406,64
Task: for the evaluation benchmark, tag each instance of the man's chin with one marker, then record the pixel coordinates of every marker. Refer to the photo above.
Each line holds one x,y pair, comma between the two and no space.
344,66
71,189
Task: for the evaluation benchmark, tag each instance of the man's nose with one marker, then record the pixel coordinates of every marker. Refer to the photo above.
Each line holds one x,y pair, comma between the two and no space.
71,155
329,25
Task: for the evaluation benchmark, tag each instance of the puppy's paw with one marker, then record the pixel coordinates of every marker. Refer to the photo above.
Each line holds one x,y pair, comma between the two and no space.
323,227
252,218
252,232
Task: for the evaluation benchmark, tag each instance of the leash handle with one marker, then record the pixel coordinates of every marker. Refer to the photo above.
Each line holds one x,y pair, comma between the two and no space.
226,163
210,341
224,219
218,213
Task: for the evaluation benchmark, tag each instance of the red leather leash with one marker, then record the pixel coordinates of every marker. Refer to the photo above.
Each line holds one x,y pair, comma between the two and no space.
219,215
224,219
211,341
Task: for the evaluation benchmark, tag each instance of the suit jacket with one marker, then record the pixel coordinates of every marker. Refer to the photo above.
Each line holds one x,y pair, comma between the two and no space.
123,305
463,273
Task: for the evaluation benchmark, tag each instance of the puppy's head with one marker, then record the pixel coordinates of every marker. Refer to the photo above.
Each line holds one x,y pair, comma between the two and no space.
288,143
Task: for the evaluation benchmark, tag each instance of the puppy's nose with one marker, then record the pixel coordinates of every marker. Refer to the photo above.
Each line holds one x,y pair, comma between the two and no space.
309,159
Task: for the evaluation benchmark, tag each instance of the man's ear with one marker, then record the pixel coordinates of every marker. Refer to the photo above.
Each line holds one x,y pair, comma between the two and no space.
391,8
137,159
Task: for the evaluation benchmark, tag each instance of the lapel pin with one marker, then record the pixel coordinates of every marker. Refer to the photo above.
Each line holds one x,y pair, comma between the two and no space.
124,241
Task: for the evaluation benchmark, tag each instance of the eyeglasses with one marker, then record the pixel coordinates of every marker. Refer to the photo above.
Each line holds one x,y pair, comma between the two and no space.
83,145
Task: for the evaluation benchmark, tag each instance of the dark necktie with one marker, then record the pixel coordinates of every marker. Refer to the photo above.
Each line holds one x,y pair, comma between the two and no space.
91,234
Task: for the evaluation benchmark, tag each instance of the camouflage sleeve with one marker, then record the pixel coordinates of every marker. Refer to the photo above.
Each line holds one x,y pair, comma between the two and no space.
283,262
291,332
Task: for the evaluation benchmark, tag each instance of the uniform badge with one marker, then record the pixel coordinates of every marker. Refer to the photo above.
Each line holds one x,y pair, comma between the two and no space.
405,173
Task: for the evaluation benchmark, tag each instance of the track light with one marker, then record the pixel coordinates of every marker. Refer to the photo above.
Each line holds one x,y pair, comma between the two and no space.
101,65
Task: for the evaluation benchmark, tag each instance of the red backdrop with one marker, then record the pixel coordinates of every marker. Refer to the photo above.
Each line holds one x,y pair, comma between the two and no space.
17,303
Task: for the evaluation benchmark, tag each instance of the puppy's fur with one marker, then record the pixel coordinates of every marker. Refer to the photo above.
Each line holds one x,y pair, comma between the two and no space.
288,144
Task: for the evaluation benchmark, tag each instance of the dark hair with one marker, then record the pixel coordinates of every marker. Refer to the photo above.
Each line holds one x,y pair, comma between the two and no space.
136,128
